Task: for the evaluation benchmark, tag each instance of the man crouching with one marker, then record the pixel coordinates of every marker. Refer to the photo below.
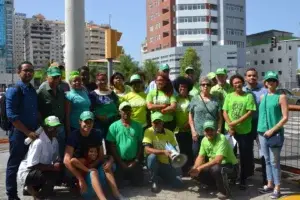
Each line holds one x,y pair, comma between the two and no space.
40,169
221,163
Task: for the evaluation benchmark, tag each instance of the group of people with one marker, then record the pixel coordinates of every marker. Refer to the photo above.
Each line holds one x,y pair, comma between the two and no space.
96,135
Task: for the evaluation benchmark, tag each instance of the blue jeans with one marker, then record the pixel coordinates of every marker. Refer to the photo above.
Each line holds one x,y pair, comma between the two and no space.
168,173
272,157
61,139
17,151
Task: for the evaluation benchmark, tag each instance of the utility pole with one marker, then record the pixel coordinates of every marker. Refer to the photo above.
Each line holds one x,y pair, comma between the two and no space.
74,34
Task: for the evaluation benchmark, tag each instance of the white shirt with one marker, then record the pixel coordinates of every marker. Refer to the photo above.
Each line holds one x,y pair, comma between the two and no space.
41,151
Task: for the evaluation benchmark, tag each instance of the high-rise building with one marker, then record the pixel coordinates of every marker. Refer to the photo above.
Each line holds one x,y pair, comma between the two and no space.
94,42
6,35
196,23
43,40
19,38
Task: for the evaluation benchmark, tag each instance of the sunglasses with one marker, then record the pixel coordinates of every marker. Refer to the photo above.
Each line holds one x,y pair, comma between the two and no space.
205,84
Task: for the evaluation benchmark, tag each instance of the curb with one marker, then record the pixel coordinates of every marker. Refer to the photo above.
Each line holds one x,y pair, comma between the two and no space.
3,140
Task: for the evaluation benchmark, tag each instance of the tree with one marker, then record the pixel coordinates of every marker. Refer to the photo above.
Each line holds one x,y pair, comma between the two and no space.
190,59
95,69
127,66
150,68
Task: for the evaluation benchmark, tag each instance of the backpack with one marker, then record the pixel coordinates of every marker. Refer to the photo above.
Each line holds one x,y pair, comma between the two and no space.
5,124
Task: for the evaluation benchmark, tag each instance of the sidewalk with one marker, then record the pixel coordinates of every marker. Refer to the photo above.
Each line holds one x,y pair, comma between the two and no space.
192,191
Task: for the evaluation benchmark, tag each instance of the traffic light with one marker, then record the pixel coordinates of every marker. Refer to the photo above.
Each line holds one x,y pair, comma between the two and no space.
273,42
112,51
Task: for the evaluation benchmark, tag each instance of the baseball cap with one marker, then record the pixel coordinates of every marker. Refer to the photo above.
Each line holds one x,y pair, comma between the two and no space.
188,68
271,75
157,116
164,67
53,71
86,115
123,105
209,124
221,71
211,75
52,121
135,77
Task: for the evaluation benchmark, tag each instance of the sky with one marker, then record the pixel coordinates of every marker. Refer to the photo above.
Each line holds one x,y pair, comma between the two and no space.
129,16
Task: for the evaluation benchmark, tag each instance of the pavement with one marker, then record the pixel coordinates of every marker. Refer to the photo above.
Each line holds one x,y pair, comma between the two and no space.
192,190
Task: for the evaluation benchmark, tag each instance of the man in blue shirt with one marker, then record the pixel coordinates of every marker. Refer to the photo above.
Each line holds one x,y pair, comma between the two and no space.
22,112
257,90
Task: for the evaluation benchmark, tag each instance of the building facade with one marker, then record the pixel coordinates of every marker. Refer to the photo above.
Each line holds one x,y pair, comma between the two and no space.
94,41
284,59
196,23
226,57
19,38
6,36
43,40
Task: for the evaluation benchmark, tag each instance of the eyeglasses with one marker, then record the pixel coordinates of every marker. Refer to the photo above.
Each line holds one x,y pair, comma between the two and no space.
205,84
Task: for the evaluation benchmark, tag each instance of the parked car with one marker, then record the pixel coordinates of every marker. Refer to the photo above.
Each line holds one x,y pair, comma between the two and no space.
292,99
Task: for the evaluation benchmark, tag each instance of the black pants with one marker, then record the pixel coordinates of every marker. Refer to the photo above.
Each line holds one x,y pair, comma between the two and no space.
245,143
218,175
135,175
42,180
196,147
171,125
184,140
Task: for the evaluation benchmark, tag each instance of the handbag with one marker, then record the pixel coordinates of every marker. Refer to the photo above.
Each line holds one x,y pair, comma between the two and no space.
276,140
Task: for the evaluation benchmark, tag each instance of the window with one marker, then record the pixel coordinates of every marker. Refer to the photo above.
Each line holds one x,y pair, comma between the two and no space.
279,48
290,47
262,51
262,62
271,49
263,73
255,62
279,60
280,72
255,51
271,61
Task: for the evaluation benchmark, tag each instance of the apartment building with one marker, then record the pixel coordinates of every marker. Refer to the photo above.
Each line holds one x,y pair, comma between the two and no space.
19,39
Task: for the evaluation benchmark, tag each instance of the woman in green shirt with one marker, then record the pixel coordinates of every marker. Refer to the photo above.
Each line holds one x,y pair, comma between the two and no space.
273,114
182,132
117,84
163,100
237,111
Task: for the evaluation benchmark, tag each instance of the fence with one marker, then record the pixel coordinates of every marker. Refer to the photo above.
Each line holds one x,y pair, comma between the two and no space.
290,154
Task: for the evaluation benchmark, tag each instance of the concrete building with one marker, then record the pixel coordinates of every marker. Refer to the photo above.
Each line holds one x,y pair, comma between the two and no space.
43,40
196,23
225,56
19,39
94,43
284,59
6,35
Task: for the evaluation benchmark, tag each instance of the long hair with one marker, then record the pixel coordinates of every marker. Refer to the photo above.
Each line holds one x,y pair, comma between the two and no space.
168,88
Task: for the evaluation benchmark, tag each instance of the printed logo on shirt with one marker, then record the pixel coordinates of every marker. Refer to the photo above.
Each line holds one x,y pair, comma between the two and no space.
236,109
159,145
182,105
137,103
161,100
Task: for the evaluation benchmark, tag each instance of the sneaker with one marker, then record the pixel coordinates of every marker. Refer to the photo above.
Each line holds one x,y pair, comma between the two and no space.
220,195
121,197
155,188
275,195
265,190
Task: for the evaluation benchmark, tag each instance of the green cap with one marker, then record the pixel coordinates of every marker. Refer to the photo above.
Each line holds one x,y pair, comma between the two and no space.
209,124
123,105
271,75
135,77
221,71
157,116
188,68
86,115
73,75
164,67
52,121
211,75
53,71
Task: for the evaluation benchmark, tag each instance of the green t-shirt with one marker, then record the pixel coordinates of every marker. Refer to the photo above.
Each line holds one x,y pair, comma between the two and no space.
182,113
138,105
221,92
159,97
236,106
195,90
218,147
127,139
159,140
